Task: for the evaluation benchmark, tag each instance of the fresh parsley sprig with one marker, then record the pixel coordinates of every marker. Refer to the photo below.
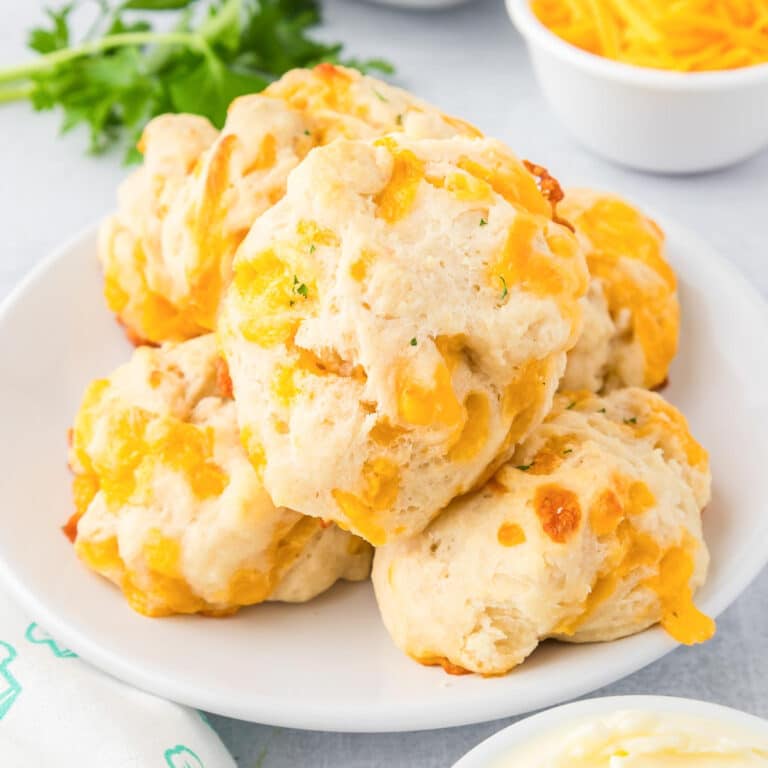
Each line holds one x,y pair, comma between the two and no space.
124,72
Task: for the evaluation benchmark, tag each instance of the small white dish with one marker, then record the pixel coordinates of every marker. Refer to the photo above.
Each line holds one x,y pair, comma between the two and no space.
491,752
330,665
649,119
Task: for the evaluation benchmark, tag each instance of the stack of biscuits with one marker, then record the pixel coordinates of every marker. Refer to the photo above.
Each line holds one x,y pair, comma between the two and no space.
368,333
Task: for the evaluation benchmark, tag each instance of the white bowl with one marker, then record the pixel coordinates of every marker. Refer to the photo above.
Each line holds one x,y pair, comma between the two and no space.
490,752
650,119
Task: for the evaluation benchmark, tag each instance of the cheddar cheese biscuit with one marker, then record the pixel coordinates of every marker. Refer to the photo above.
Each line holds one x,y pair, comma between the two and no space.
130,241
395,325
591,532
632,318
169,507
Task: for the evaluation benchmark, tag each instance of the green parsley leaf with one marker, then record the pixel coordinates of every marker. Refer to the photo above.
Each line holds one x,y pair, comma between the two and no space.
380,96
299,288
209,87
100,92
399,119
524,467
570,405
483,223
633,420
45,40
312,248
123,72
381,66
413,342
504,291
602,410
567,451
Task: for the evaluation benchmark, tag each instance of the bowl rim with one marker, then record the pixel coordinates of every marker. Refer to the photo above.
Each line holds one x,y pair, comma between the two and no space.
494,747
534,32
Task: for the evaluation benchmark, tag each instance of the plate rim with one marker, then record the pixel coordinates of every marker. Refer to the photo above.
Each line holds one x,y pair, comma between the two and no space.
392,717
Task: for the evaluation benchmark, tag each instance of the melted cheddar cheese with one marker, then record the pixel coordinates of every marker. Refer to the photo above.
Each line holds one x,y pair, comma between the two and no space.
475,432
381,484
511,181
631,550
679,616
538,263
429,404
510,535
558,511
625,251
398,196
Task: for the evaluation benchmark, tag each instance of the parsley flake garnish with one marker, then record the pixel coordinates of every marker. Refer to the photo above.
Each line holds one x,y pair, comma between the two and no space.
380,96
633,420
504,291
399,119
602,410
312,248
570,405
307,132
483,222
299,288
413,342
524,467
567,451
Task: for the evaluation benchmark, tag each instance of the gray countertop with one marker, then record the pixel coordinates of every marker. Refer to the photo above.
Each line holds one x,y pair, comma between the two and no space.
470,61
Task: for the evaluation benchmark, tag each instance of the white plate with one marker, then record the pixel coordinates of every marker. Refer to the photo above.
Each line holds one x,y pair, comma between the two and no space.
330,665
489,753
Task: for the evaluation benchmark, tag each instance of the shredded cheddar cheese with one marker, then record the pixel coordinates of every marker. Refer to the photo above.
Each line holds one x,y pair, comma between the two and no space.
684,35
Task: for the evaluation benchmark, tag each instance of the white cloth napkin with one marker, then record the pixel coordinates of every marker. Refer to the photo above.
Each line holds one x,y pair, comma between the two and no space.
55,710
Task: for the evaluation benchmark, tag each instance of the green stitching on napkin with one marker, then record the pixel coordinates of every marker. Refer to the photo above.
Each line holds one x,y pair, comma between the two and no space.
36,634
12,686
182,757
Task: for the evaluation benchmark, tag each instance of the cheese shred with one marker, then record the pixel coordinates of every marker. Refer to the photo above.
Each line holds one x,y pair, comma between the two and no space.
683,35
